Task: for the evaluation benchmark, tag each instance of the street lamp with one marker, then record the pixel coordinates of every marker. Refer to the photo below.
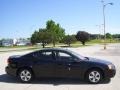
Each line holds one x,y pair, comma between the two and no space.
104,5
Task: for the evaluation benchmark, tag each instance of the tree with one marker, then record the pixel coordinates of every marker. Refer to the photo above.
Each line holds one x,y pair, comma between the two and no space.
108,36
57,32
42,36
82,36
52,33
116,35
34,38
95,36
68,39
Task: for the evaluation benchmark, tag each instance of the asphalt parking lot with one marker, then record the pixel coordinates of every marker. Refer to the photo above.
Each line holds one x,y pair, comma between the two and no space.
112,54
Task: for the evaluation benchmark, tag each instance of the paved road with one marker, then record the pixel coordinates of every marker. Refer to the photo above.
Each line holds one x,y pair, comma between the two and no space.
111,54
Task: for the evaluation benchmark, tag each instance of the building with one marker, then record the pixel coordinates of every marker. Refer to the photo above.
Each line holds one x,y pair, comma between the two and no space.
16,42
23,42
7,42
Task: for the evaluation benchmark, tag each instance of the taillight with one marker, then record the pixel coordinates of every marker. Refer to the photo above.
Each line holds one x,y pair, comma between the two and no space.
8,61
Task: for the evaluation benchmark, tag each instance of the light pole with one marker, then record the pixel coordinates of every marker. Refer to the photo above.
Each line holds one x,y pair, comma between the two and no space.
104,5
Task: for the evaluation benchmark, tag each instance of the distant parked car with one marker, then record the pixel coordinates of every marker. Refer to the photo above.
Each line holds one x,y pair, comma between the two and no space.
59,63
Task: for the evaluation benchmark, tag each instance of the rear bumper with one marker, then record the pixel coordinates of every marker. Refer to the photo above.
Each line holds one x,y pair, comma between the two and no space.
11,71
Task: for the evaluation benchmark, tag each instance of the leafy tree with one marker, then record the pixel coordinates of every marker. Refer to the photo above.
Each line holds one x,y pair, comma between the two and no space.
82,36
108,36
116,35
34,38
0,43
68,39
41,36
57,32
52,33
44,37
95,36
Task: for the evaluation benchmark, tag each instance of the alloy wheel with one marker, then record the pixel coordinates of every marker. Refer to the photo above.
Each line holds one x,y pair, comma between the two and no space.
25,75
94,76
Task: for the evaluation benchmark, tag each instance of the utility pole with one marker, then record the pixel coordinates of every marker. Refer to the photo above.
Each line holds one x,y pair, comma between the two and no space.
104,21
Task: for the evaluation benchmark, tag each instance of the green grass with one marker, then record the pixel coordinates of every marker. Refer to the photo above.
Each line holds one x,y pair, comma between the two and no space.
18,48
79,45
101,41
15,46
75,45
36,47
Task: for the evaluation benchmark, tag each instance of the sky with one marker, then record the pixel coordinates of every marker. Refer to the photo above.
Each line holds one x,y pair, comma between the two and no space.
20,18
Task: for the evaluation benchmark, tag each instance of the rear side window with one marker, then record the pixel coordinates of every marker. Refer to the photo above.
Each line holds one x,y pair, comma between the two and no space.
46,54
43,55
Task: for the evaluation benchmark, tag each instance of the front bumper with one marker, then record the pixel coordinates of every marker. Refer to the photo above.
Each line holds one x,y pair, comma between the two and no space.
110,73
11,71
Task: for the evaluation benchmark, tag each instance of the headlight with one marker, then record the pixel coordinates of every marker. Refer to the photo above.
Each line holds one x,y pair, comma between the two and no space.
110,66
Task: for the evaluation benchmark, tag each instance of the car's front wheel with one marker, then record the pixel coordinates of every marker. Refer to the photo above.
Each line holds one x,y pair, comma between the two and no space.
94,76
25,75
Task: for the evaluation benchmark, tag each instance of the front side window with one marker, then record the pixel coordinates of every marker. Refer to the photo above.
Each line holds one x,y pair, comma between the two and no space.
63,56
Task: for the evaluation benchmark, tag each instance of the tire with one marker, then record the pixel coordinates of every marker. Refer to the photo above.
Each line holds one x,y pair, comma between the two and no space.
25,75
94,76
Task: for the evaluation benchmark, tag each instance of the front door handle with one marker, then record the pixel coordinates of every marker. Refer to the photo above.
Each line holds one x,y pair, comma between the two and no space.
69,68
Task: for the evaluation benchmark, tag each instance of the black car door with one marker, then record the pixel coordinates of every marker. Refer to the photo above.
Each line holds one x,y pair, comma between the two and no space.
44,64
77,69
68,65
62,66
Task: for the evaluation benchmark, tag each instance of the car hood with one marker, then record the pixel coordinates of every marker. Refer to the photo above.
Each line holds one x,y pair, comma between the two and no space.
95,60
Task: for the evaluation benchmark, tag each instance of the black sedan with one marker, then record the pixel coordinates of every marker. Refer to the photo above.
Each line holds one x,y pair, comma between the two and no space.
59,63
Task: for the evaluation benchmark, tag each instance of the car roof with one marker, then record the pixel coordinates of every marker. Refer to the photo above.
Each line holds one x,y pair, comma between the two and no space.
51,49
55,49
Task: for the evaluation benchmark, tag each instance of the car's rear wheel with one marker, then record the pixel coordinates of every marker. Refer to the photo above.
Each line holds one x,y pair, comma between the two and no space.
94,76
25,75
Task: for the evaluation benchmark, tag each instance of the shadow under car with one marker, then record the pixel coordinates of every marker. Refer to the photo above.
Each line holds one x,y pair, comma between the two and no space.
55,81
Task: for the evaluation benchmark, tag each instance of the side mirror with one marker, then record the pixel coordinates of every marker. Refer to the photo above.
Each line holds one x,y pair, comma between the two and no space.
87,58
